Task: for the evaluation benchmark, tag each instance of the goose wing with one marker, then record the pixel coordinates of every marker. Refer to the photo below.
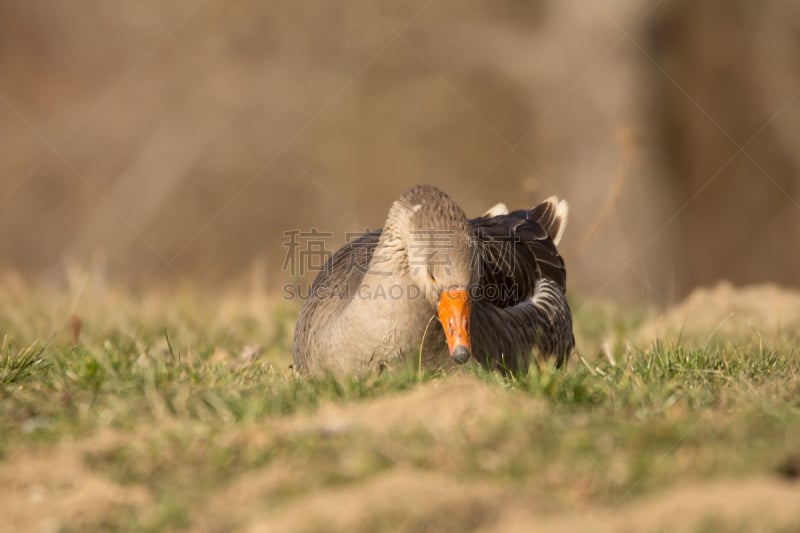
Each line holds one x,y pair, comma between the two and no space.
513,251
504,338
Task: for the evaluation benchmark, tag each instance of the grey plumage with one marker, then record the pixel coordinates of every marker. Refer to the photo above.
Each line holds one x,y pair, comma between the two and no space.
510,263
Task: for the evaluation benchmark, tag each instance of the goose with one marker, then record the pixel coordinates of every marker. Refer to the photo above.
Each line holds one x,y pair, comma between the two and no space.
495,283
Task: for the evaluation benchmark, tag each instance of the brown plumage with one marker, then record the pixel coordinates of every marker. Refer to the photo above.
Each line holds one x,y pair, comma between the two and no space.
496,284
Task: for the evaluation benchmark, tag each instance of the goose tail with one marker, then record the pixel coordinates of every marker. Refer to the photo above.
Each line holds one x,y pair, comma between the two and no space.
552,215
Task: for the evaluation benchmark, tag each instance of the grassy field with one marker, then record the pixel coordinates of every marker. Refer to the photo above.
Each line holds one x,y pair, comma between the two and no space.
170,411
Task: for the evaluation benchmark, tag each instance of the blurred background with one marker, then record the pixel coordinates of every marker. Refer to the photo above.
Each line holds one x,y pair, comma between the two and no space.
175,142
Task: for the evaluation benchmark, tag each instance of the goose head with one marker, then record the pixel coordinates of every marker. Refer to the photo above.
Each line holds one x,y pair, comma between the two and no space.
429,236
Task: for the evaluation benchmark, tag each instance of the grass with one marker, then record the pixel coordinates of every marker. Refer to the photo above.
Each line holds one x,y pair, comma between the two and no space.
161,394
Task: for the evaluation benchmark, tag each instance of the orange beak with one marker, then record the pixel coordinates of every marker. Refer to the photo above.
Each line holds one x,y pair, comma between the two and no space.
454,310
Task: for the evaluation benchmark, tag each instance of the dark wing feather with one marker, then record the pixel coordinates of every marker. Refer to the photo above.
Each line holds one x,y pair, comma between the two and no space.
504,338
514,251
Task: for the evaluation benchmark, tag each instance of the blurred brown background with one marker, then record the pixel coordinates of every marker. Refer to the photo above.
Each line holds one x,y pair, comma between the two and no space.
176,141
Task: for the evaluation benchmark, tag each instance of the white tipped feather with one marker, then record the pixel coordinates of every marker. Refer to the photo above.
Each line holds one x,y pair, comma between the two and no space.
552,214
497,210
562,212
